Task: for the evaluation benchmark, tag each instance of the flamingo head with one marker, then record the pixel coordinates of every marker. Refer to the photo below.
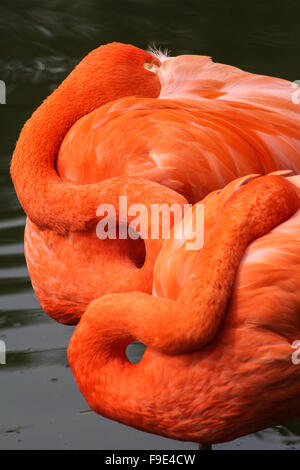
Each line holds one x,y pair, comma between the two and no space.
111,72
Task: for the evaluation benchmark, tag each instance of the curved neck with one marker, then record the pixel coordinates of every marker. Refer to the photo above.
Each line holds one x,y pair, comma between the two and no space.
191,322
49,201
113,386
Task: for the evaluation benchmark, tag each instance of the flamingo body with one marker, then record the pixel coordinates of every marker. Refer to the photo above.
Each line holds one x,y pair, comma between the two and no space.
210,124
221,320
241,381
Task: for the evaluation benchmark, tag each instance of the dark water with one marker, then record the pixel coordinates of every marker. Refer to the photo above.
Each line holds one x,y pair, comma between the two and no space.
40,406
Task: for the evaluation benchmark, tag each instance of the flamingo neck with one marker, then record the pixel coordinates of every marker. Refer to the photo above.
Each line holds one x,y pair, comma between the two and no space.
106,377
49,201
130,393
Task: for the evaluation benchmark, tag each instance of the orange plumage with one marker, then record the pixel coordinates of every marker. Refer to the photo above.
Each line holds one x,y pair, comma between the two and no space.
169,133
206,376
193,127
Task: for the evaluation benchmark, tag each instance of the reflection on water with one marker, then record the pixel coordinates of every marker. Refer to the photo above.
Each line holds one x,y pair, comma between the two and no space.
26,359
41,42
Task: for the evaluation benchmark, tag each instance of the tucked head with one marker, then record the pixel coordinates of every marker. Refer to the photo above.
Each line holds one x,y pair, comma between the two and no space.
114,71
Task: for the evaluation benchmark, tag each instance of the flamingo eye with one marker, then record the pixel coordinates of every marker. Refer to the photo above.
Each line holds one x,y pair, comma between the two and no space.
151,67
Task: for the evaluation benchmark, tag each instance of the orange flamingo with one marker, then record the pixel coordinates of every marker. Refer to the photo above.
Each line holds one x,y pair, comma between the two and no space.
201,380
154,129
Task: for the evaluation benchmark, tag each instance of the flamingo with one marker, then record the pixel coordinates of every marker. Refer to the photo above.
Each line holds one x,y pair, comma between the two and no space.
218,362
142,125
